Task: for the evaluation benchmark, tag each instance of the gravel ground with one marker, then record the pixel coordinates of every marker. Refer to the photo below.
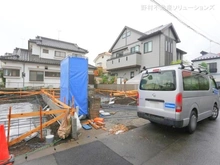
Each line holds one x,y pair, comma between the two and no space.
122,113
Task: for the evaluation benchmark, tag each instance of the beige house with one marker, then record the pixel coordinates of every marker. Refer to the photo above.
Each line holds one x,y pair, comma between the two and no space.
132,50
101,59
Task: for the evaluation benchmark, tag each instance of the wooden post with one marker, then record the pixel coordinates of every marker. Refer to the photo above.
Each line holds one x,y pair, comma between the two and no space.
9,123
41,135
53,93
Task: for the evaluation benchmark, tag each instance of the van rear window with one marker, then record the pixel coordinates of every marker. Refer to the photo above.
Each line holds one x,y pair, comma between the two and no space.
160,81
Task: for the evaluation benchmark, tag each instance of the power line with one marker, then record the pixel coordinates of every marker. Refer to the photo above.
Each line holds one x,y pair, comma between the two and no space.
184,22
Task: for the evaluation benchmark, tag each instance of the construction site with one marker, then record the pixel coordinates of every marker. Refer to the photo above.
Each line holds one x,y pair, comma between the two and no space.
31,116
37,118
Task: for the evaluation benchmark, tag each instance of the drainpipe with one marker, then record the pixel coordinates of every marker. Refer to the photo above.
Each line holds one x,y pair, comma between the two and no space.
23,75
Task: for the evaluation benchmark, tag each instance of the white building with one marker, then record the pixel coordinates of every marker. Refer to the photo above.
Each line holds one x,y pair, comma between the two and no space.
213,62
100,60
39,65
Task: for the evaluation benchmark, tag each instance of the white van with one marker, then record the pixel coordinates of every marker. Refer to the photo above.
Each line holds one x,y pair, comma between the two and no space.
178,96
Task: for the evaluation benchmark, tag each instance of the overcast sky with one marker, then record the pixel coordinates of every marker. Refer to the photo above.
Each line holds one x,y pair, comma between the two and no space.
95,24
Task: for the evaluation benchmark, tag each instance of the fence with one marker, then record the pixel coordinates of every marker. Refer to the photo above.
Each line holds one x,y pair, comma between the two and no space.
118,87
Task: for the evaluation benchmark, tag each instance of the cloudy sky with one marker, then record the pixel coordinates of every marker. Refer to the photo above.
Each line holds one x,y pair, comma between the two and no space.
95,24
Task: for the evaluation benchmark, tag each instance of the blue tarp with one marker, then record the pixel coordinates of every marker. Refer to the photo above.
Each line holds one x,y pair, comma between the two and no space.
74,83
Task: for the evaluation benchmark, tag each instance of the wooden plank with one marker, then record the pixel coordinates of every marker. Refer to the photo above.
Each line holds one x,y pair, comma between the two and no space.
20,138
56,100
30,114
9,123
93,124
41,129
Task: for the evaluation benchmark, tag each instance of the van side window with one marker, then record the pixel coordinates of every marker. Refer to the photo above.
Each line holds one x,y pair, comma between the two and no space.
194,81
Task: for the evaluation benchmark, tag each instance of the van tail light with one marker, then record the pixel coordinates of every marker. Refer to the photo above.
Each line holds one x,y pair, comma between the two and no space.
137,98
179,101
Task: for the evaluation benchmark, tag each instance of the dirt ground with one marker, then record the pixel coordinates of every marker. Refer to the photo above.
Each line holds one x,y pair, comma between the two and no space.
35,144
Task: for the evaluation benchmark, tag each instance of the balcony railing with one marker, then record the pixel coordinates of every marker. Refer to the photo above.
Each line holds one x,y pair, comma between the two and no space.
124,61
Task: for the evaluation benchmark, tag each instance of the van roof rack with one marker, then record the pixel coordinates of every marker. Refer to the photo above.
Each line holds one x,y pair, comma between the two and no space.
144,69
200,69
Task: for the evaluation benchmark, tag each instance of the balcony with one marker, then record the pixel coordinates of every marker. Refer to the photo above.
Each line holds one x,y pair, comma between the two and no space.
124,61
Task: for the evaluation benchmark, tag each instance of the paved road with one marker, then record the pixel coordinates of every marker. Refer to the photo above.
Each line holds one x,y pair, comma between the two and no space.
153,145
158,145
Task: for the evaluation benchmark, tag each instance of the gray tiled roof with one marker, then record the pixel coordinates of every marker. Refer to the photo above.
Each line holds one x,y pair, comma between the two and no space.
35,59
207,56
48,42
159,30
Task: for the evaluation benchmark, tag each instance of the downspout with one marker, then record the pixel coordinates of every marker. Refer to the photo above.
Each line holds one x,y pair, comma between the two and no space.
23,75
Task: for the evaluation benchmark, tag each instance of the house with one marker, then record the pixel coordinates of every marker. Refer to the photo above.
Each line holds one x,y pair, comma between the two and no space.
39,65
213,61
133,50
100,60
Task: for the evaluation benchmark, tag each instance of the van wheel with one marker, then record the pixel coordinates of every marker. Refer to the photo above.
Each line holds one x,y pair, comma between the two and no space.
192,122
215,112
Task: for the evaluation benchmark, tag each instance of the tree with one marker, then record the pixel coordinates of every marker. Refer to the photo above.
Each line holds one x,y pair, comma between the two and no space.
179,61
205,66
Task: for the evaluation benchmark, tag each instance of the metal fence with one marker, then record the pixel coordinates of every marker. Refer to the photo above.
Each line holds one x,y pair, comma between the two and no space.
22,125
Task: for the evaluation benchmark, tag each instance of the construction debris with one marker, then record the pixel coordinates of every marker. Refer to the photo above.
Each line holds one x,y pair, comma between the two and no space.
120,128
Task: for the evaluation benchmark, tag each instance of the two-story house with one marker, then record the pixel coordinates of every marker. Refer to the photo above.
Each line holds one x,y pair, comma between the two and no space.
133,50
213,62
100,60
39,65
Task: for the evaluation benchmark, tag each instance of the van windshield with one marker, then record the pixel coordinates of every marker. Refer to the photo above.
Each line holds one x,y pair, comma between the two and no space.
160,81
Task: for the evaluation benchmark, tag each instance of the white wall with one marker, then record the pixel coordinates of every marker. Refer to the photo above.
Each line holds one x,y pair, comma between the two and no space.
215,75
19,82
102,61
38,50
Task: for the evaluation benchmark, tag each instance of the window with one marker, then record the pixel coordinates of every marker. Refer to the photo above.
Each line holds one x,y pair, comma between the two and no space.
194,81
112,61
135,49
132,74
119,60
52,74
126,58
45,51
12,72
60,54
114,74
119,53
126,34
132,49
166,46
148,47
171,47
213,67
36,76
159,81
